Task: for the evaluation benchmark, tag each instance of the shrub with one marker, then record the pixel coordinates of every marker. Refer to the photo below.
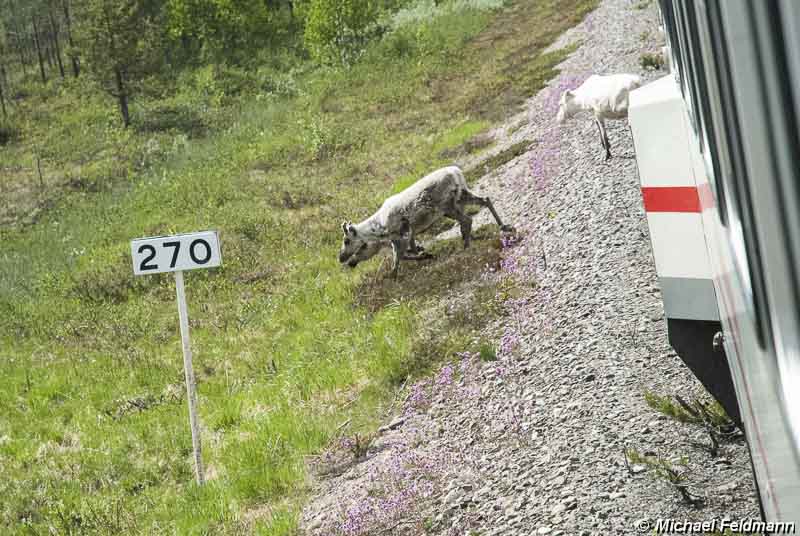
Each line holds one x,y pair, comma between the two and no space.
426,11
651,61
421,29
8,132
337,30
277,83
321,140
179,117
399,44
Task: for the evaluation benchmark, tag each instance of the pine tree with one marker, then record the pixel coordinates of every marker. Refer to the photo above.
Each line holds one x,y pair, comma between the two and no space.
122,41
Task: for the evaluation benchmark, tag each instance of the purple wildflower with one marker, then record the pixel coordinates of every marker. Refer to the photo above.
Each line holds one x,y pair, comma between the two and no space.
445,376
509,342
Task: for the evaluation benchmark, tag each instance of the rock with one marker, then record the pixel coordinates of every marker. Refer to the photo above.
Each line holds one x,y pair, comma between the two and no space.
570,503
638,468
544,530
453,498
727,488
394,425
317,522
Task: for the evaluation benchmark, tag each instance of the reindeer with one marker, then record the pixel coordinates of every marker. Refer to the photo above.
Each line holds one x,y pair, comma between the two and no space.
403,216
605,96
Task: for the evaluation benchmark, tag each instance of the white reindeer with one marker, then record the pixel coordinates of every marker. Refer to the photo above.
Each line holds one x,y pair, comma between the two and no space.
402,216
605,96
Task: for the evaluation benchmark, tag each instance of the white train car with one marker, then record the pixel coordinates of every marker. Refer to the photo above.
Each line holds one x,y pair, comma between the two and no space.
718,150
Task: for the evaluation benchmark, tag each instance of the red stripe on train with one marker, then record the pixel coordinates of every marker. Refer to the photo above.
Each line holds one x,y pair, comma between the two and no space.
706,196
670,199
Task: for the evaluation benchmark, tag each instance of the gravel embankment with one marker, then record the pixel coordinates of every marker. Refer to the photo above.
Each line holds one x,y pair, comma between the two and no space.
533,443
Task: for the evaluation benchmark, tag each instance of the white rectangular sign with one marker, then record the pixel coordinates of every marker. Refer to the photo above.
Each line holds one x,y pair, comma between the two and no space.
189,251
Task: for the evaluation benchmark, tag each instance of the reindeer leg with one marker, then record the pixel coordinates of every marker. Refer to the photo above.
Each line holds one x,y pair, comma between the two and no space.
406,247
604,134
417,256
454,212
414,247
415,252
603,139
468,198
398,250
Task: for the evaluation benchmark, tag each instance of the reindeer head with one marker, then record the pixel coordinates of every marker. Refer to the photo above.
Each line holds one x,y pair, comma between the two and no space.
566,106
356,248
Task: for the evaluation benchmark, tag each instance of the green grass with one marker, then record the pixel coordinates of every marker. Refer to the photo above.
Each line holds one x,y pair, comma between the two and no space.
694,412
93,430
451,142
496,161
649,60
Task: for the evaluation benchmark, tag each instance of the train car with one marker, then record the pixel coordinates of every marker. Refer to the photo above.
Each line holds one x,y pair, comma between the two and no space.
718,151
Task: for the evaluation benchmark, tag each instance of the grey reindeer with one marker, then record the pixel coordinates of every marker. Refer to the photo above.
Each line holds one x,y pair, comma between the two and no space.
410,212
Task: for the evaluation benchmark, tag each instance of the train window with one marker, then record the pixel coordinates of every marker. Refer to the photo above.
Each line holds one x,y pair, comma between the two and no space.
790,16
735,183
668,14
698,83
779,81
709,41
686,80
694,86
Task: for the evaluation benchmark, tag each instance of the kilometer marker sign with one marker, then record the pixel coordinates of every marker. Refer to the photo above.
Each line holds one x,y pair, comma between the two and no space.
191,251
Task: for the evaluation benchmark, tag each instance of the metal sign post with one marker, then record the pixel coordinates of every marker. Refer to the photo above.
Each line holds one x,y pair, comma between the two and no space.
188,369
175,254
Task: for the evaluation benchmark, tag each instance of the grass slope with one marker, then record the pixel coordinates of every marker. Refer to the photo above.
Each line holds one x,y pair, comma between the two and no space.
93,429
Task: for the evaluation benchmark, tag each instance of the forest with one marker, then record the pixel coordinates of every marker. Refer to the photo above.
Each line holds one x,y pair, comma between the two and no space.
129,48
272,122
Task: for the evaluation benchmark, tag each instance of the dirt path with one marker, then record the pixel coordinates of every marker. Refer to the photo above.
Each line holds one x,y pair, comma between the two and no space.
533,443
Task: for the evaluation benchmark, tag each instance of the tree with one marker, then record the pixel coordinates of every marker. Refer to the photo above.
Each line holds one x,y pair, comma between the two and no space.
227,27
38,43
2,95
72,52
26,32
123,40
54,38
3,81
337,30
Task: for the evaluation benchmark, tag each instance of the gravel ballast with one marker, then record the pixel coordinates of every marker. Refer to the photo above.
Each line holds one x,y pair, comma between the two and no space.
534,442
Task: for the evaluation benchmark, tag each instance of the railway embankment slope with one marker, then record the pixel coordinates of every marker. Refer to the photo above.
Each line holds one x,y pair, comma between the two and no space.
541,437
